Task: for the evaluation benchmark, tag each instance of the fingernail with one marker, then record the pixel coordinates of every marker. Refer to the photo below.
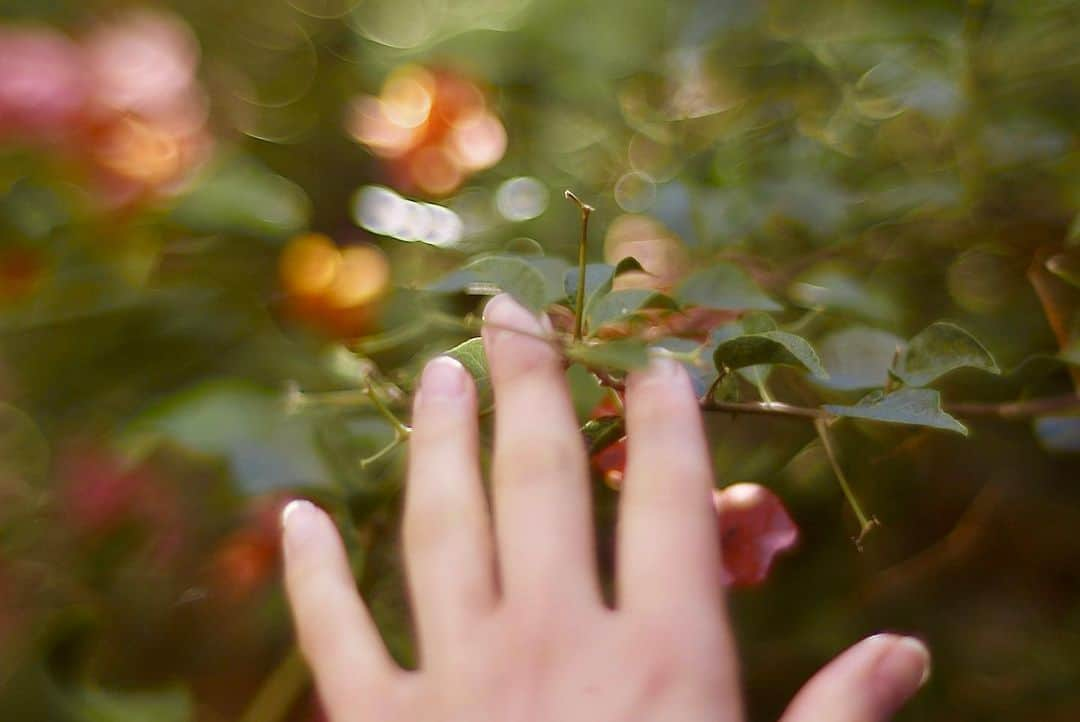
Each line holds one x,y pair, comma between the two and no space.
662,366
503,310
443,379
296,520
904,667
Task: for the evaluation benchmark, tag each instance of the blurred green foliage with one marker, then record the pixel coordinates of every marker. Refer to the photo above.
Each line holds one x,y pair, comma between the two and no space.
861,171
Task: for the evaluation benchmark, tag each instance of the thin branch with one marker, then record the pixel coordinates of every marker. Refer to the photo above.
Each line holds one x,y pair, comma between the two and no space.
579,306
768,408
1017,410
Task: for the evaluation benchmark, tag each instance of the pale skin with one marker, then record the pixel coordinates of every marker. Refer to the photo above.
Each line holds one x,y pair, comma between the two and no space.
511,623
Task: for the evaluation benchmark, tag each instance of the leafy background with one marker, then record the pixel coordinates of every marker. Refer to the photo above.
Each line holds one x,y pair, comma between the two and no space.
175,359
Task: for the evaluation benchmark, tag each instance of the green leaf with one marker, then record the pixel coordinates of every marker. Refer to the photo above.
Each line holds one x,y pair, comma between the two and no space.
585,390
553,269
599,278
918,407
98,705
617,305
858,357
510,275
624,354
239,195
836,289
250,427
24,451
938,349
602,433
724,286
767,348
471,355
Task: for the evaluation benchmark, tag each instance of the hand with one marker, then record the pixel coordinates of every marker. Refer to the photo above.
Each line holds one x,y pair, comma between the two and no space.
512,625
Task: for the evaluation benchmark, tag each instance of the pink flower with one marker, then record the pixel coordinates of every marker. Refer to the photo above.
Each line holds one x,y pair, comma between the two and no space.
43,84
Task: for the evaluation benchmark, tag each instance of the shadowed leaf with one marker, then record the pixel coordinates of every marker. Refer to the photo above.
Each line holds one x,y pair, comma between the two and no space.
917,407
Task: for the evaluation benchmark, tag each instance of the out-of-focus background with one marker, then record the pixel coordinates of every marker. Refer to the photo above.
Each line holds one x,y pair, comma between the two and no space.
218,219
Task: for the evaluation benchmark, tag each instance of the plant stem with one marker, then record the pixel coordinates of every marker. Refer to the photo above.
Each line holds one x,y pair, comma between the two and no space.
278,694
865,524
401,431
579,305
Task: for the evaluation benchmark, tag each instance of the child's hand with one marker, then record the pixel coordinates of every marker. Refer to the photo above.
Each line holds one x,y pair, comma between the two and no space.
511,623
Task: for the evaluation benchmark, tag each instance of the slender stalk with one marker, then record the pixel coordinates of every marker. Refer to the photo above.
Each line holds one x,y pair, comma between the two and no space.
865,523
579,304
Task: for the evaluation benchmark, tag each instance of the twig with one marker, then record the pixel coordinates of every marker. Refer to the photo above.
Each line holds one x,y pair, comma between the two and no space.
579,305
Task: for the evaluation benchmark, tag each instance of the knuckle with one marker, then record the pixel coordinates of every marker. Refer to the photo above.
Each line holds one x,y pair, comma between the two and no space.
538,458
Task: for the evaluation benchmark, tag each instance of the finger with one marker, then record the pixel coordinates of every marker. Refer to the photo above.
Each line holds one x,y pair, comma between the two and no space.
448,547
867,683
336,633
668,557
541,496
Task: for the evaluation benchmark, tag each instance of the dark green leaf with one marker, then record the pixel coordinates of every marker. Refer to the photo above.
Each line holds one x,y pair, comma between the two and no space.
585,390
599,278
766,348
724,286
624,354
838,290
617,305
918,407
938,349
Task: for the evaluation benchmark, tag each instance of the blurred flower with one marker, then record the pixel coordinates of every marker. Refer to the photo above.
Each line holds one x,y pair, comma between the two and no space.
754,528
99,494
43,84
331,289
21,269
433,127
126,101
144,63
249,557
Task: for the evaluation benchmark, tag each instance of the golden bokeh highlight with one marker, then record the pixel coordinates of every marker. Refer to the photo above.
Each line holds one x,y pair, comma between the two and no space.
330,289
434,128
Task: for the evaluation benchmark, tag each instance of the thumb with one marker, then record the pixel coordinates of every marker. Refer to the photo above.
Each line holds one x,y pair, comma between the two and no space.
867,683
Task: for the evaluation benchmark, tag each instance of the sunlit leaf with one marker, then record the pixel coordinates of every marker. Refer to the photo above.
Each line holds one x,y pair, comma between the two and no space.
938,349
623,354
724,286
918,407
766,348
